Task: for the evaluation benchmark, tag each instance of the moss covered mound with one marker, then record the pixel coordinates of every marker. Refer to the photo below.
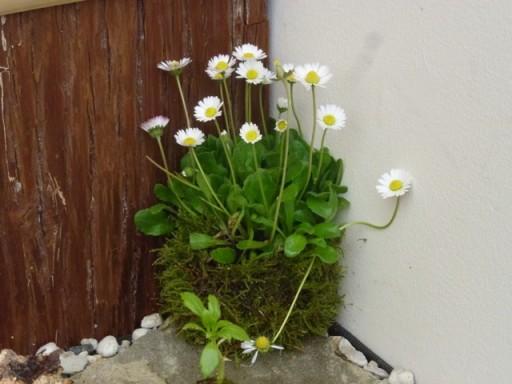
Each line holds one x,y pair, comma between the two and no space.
255,292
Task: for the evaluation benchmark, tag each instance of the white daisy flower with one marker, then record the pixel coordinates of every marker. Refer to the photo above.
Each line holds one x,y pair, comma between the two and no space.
331,116
220,67
250,133
247,52
289,72
155,126
224,132
174,66
282,103
281,125
313,74
261,344
394,183
208,109
268,77
251,71
190,137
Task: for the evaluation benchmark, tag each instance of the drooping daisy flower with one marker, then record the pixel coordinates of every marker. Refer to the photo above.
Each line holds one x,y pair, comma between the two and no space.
174,66
247,52
313,75
190,137
251,71
282,103
394,183
281,125
220,67
289,73
155,126
268,77
331,117
250,133
261,344
208,109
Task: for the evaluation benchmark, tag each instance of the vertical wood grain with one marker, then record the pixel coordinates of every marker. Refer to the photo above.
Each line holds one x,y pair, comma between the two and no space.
75,83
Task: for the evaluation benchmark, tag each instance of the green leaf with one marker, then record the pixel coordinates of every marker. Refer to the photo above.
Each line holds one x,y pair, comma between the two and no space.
294,244
236,200
232,331
328,255
154,221
214,307
252,190
224,255
327,230
203,241
164,193
324,208
290,192
318,242
193,303
210,358
193,327
250,244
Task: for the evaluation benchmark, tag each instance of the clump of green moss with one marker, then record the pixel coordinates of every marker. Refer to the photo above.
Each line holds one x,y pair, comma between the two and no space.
255,292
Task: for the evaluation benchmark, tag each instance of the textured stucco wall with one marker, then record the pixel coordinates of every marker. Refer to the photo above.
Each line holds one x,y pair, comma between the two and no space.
427,86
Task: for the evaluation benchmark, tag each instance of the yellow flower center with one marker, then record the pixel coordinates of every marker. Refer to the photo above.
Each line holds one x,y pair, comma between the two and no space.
262,343
329,119
210,112
221,66
396,185
312,78
251,136
252,74
282,125
189,141
248,55
218,76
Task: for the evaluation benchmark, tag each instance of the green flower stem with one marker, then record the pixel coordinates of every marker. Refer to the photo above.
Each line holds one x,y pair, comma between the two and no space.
260,182
283,182
227,95
292,104
172,175
220,370
299,290
226,152
375,226
221,206
262,110
321,157
312,142
229,128
248,106
169,179
183,102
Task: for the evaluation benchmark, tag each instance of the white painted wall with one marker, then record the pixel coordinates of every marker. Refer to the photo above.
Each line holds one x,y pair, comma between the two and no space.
427,86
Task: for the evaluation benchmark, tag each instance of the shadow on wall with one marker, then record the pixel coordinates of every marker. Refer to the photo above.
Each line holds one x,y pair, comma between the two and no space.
364,60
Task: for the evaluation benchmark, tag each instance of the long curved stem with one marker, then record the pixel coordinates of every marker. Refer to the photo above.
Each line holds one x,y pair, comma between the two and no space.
312,142
292,306
172,175
230,107
260,182
321,157
229,128
283,182
221,206
262,110
292,103
375,226
226,152
183,102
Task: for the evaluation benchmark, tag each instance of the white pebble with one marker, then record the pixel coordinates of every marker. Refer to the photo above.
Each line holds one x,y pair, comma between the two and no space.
401,376
72,363
47,349
108,346
138,333
351,354
151,321
374,368
91,341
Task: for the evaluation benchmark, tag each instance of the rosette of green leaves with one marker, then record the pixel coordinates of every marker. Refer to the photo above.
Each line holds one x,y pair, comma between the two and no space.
306,222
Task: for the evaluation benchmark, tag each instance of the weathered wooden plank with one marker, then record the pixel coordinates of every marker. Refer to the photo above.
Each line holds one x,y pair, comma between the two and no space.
75,83
16,6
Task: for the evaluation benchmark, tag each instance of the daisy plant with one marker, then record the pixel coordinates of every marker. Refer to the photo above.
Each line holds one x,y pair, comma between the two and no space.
214,330
252,214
